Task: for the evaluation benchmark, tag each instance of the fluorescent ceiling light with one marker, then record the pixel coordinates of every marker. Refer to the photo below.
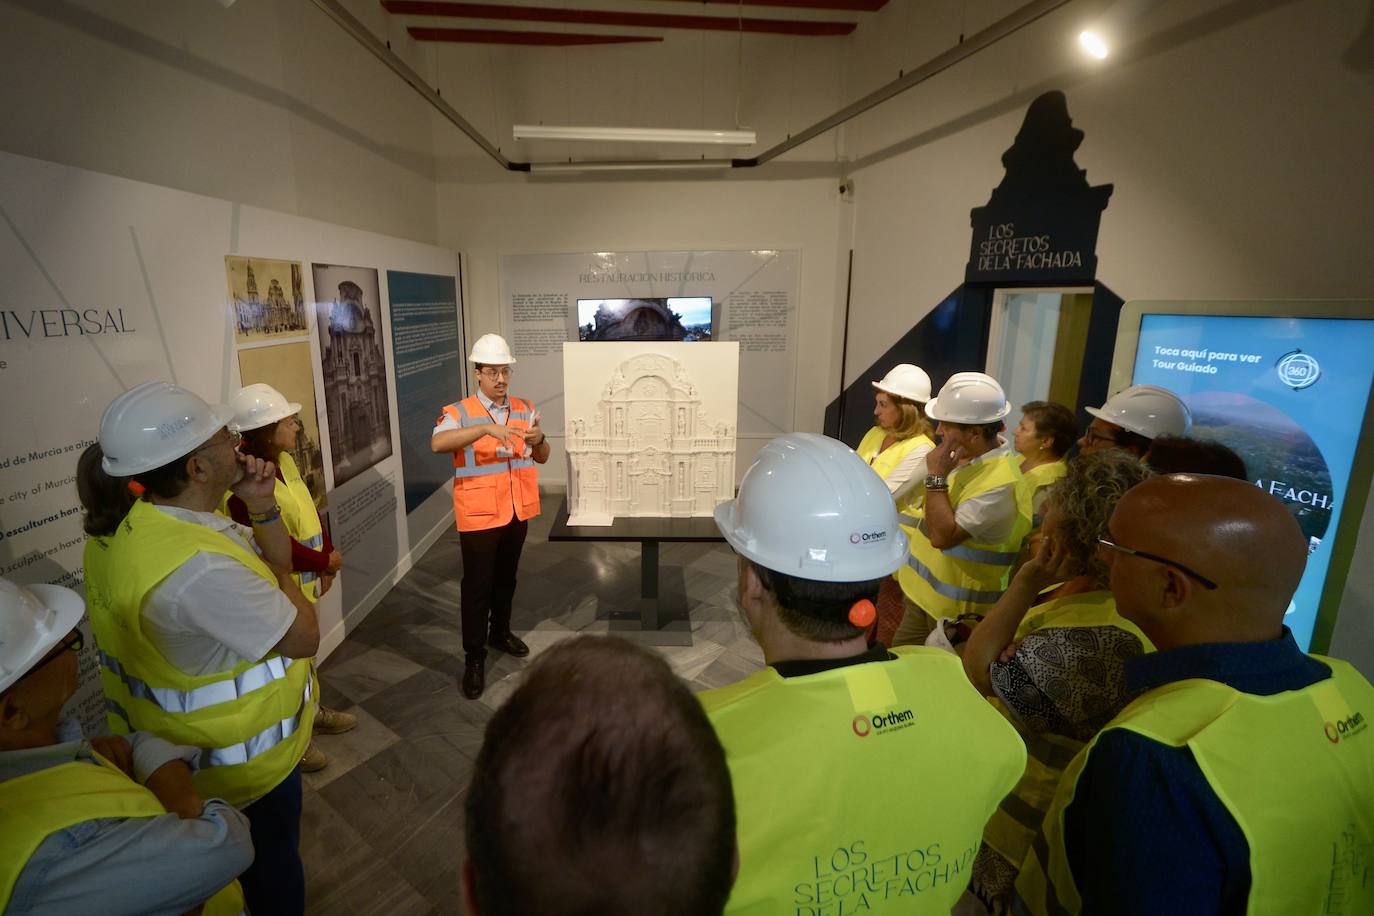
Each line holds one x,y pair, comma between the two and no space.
639,165
1092,42
635,134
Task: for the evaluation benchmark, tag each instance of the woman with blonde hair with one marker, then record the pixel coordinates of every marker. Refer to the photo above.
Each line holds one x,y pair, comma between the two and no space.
896,449
1051,655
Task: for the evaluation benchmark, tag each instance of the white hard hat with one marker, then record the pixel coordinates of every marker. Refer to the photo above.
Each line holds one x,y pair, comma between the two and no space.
154,424
491,350
33,619
811,508
969,397
1147,410
906,381
258,405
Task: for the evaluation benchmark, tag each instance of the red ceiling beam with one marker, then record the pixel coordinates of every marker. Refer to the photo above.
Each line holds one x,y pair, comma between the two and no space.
605,17
847,6
547,39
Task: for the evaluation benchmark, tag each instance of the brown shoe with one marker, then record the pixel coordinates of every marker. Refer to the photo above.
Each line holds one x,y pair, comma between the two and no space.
314,759
332,722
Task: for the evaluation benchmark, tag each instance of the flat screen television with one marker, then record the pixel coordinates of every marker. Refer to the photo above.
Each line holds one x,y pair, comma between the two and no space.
682,318
1287,385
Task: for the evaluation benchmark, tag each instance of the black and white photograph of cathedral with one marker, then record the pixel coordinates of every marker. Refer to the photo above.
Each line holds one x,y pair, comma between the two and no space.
266,298
348,314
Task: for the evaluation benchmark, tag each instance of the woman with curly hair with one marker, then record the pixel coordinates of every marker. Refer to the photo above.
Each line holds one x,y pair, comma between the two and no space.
1051,652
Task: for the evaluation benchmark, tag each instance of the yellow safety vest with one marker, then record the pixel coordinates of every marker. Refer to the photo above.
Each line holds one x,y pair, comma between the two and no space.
1017,820
1295,770
886,461
298,515
251,723
1042,477
967,578
820,829
38,804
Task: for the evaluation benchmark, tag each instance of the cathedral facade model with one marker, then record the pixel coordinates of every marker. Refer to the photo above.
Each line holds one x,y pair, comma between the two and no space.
650,450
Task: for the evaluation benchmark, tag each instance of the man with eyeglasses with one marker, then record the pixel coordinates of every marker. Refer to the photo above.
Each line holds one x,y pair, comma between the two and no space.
1133,418
1241,780
495,441
204,638
113,825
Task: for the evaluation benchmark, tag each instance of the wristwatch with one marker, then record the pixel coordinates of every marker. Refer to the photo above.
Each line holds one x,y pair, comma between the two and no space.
936,482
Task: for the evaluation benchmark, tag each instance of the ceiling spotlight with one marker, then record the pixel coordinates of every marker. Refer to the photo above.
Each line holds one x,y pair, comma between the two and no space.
1093,43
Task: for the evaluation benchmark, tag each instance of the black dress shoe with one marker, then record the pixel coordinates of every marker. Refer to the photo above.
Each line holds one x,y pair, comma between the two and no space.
509,644
474,677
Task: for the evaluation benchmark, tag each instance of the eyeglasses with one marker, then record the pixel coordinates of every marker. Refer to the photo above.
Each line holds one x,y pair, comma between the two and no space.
1131,551
497,373
233,439
1094,436
72,643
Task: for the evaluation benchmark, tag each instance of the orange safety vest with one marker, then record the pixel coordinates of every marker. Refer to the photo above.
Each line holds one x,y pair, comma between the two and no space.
490,487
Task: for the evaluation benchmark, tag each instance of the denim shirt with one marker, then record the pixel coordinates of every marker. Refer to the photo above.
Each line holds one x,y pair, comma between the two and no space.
154,865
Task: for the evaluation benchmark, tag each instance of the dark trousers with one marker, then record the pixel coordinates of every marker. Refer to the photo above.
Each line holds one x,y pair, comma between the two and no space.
490,558
275,882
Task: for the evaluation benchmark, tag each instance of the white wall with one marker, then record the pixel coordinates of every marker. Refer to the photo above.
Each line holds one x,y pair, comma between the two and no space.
687,80
1238,141
485,221
266,103
1238,137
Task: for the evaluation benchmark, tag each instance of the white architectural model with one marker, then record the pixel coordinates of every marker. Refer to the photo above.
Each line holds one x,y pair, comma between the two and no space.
650,446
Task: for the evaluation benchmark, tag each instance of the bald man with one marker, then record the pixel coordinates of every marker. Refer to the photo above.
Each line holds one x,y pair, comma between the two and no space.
1242,779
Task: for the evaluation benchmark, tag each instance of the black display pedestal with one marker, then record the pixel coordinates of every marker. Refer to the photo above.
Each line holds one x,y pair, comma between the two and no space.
661,617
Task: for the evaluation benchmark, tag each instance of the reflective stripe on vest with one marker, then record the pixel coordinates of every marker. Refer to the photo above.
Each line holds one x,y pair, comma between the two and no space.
969,577
259,744
952,592
171,700
797,749
490,489
36,805
1306,813
251,722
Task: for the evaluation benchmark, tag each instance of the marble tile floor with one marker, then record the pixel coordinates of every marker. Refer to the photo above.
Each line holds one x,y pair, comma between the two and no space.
383,823
382,828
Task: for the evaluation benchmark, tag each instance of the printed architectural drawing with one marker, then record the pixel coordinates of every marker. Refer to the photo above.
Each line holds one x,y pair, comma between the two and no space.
651,448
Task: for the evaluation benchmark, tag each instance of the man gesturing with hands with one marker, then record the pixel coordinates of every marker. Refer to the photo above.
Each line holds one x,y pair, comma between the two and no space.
495,441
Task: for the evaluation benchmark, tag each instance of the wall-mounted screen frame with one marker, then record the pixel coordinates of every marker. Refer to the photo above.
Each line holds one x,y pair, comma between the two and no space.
1287,384
668,318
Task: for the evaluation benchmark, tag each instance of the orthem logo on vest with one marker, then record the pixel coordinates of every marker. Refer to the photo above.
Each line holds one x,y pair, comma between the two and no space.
1345,728
882,722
